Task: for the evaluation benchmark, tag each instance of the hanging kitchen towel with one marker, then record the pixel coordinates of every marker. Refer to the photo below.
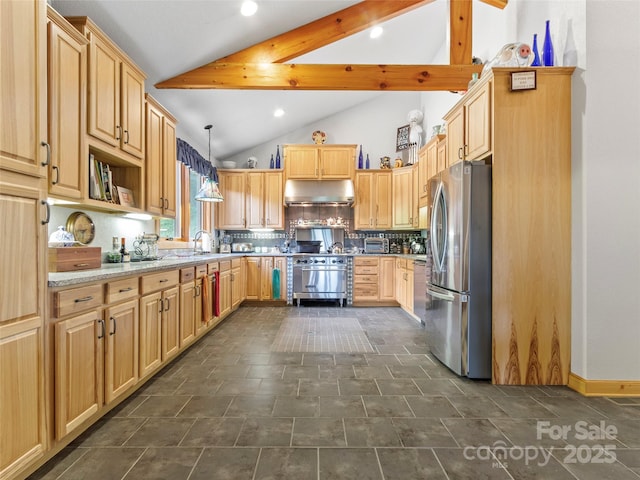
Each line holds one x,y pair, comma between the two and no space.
206,299
216,293
275,282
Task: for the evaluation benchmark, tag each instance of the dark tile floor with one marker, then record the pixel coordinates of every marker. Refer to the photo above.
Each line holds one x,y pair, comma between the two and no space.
233,408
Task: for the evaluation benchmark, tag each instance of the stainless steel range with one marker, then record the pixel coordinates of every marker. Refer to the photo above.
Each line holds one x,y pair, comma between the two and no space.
320,277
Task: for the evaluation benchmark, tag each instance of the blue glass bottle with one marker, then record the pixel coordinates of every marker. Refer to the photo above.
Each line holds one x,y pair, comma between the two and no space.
360,159
271,163
536,56
278,156
367,162
547,48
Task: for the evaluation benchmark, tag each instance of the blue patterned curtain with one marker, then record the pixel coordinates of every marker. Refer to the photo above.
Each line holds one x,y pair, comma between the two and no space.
196,162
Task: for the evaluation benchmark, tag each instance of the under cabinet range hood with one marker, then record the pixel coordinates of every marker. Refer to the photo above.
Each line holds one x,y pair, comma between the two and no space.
319,192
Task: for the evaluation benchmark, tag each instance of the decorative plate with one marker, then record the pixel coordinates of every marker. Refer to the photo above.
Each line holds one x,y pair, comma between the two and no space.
318,137
81,226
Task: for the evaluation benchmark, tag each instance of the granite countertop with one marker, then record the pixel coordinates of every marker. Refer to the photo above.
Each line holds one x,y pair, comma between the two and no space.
114,270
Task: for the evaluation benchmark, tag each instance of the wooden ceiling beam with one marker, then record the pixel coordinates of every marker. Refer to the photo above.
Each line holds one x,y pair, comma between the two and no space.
323,31
280,76
496,3
460,32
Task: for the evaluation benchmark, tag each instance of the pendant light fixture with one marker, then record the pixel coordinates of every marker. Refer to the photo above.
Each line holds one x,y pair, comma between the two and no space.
209,191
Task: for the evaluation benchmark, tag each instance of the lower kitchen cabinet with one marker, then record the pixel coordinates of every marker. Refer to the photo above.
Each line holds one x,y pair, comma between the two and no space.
189,302
373,280
387,277
225,288
404,284
237,283
121,349
259,277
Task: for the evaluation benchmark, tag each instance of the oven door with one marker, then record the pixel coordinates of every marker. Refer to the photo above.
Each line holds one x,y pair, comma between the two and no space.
319,282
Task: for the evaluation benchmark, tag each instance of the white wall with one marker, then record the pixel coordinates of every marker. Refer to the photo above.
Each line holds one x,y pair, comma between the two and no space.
372,124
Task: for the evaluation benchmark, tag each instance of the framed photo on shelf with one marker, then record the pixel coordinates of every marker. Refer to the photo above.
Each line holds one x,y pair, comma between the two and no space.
126,197
402,138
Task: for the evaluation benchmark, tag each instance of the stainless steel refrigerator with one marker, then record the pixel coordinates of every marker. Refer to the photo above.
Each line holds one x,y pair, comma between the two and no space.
458,310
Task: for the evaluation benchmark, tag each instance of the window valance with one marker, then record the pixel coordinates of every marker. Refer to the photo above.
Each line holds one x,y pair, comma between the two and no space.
196,162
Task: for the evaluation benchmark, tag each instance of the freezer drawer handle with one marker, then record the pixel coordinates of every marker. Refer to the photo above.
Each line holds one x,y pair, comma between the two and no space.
442,296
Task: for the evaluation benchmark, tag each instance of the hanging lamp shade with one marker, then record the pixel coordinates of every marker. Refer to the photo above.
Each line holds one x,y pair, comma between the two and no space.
209,191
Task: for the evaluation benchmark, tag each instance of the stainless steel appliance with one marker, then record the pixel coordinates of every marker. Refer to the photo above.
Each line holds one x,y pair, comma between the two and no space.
419,294
320,277
376,245
458,310
323,237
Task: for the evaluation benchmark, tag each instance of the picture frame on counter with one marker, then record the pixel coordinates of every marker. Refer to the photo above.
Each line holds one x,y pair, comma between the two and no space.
402,138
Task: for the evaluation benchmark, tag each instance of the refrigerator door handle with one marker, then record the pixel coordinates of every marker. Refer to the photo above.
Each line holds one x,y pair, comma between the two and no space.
441,295
438,255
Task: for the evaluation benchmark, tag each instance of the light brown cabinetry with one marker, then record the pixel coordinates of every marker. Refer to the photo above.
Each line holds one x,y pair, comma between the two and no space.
387,278
190,305
469,126
372,209
67,109
428,166
160,160
237,282
225,288
121,349
403,198
264,200
231,214
373,280
319,161
116,94
259,277
404,283
442,162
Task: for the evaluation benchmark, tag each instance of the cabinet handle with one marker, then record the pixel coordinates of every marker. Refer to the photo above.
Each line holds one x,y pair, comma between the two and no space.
126,132
118,130
57,170
83,299
466,150
460,153
101,322
114,326
166,203
48,216
161,303
48,147
168,305
81,265
122,290
164,280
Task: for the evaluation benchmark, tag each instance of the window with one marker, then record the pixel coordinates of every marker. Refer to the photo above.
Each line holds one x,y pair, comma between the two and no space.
191,215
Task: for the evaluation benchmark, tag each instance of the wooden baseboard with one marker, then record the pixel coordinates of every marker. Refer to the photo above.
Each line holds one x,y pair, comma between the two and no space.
604,388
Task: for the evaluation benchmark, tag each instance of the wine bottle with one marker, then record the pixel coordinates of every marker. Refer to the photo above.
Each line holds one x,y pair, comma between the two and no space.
360,159
547,48
271,163
536,56
278,156
124,254
367,162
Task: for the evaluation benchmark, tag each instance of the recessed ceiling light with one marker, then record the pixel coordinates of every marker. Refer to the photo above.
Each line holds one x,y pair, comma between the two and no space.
278,112
248,8
375,32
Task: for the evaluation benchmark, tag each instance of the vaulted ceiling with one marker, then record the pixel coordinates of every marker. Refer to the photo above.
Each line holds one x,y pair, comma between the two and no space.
253,72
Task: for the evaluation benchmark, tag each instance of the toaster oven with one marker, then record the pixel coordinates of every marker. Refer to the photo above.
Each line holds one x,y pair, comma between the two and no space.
376,245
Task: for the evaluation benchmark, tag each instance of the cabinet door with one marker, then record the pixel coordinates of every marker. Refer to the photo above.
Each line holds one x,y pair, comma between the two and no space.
225,293
281,264
121,355
383,213
23,115
252,270
103,120
169,166
429,150
22,437
151,307
400,285
170,323
442,162
132,111
415,196
79,367
273,200
231,212
409,289
67,113
478,123
154,161
402,198
337,162
266,272
387,277
455,137
236,287
187,313
365,201
301,161
255,200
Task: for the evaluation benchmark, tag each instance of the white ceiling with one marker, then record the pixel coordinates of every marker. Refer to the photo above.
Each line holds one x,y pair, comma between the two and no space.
169,37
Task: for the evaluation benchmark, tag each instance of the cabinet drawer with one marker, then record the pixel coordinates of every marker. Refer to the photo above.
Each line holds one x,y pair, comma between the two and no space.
365,279
366,270
187,274
160,280
365,290
401,263
201,270
212,267
76,300
236,262
363,261
225,265
121,290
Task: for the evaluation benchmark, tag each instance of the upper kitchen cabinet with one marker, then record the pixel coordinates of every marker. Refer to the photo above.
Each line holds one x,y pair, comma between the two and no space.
319,161
403,199
115,97
469,125
427,166
67,86
23,81
231,212
160,163
372,209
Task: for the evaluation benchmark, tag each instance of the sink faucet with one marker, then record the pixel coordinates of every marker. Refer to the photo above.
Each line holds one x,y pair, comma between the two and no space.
202,235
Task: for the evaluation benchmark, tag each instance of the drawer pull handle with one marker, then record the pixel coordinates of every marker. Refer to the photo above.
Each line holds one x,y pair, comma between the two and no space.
81,265
164,280
114,325
101,322
168,305
161,303
122,290
83,299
